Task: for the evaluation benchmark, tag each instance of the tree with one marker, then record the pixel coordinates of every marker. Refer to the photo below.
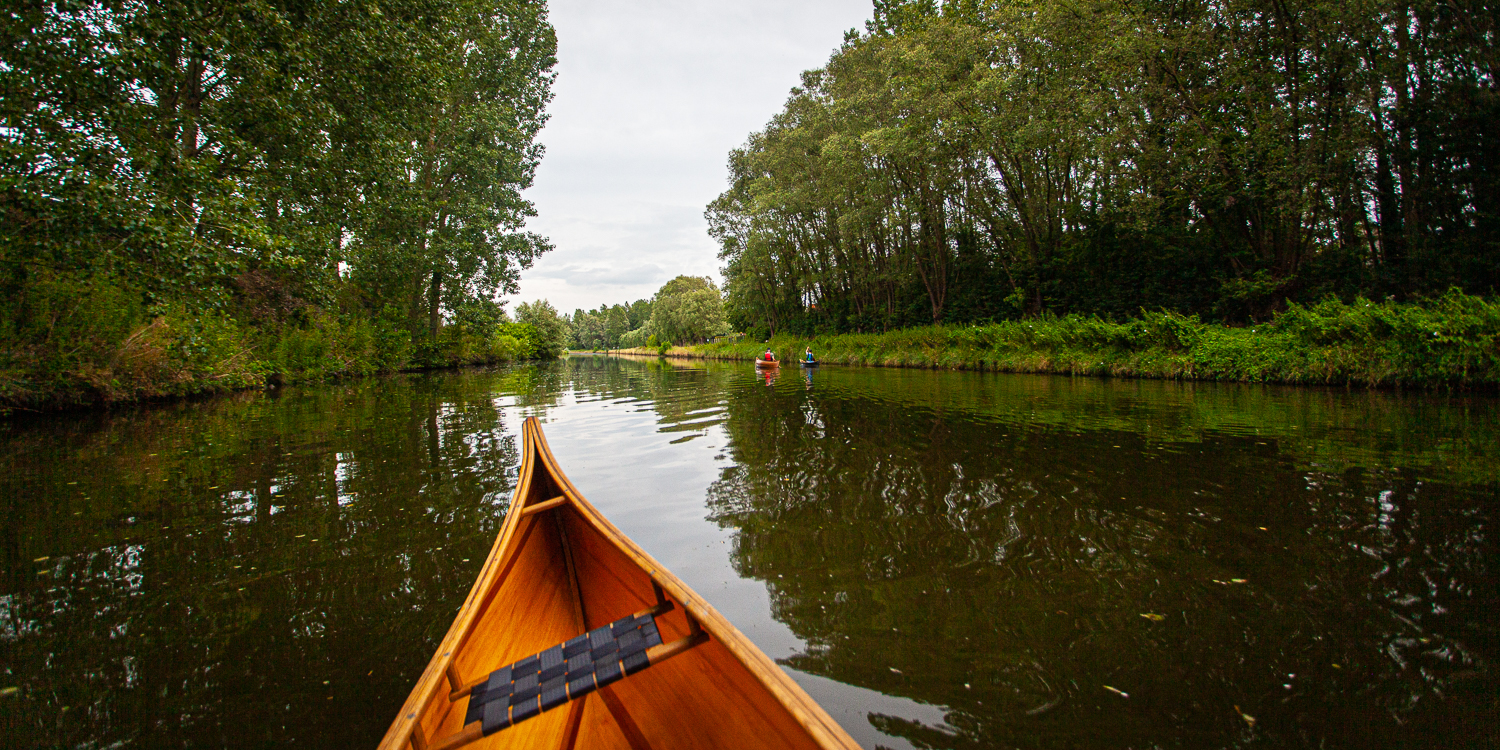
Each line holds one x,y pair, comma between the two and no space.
616,324
452,218
964,160
552,330
687,309
176,145
587,330
640,313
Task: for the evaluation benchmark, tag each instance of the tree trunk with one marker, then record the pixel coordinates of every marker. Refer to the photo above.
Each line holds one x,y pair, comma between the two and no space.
434,305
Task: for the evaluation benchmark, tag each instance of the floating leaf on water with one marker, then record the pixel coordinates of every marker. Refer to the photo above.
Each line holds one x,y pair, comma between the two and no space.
1117,691
7,692
893,669
1247,717
43,558
1152,616
1238,580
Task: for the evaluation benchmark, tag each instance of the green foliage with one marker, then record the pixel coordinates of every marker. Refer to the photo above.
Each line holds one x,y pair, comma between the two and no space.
609,327
637,338
73,339
688,309
586,331
1450,341
327,181
965,162
551,329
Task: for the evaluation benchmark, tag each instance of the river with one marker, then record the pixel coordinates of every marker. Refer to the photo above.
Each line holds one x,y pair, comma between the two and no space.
942,559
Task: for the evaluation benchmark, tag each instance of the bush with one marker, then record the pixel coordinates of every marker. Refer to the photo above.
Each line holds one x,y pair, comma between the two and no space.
1453,340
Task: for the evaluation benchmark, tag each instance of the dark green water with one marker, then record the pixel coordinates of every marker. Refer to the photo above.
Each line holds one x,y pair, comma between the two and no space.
944,560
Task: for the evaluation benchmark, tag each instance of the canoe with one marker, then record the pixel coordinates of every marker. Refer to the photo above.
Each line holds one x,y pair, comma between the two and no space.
813,363
574,637
764,363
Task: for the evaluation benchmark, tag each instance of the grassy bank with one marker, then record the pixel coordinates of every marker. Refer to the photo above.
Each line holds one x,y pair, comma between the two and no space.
88,344
1453,341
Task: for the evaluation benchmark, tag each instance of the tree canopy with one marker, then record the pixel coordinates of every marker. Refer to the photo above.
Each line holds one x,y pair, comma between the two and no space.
367,158
983,159
687,309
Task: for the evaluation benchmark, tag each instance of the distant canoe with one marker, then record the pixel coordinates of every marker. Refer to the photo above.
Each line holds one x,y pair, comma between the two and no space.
767,363
813,363
565,642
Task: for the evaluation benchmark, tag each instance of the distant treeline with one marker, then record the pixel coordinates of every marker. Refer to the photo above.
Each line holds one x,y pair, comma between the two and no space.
687,309
979,160
609,326
202,195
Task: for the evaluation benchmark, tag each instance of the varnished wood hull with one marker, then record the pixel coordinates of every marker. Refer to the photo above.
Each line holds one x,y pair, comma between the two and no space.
558,569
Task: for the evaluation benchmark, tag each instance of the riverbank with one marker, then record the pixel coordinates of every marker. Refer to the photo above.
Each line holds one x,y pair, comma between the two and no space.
177,354
1453,341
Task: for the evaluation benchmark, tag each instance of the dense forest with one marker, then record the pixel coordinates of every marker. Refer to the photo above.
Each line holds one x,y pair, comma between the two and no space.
985,160
209,194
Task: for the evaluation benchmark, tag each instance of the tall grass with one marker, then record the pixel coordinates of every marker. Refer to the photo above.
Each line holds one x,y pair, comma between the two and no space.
74,341
1452,341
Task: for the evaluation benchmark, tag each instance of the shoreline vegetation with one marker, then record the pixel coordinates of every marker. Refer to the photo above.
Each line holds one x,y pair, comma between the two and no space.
201,201
177,354
958,163
1449,342
336,191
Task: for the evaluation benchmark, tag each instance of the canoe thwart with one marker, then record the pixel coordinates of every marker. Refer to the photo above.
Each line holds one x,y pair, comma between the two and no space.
565,672
544,505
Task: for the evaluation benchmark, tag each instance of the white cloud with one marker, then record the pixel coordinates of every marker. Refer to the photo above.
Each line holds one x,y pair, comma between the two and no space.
650,99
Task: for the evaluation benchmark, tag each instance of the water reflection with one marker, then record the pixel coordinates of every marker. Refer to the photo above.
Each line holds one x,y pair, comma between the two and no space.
1053,562
1061,563
213,573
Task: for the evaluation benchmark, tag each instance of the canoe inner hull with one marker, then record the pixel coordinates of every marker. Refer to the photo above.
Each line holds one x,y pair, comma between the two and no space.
558,570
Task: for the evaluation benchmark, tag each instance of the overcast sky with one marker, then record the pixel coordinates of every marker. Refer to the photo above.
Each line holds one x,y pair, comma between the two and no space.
650,98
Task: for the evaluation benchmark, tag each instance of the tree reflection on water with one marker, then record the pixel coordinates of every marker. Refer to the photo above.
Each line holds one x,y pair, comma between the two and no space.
1122,580
1056,562
234,568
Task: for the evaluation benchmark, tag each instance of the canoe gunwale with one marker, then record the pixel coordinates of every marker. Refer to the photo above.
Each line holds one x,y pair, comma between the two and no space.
704,621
